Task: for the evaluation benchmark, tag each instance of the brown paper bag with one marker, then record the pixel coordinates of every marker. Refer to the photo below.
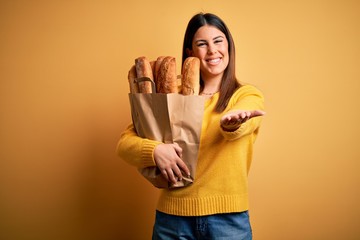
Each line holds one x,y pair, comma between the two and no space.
169,118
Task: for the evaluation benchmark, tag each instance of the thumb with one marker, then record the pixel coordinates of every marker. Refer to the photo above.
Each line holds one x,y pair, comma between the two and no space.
257,113
178,149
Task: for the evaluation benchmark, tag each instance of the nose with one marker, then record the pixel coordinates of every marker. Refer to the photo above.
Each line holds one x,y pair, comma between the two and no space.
211,49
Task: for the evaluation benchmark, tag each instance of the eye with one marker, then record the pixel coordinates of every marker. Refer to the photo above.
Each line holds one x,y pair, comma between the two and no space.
201,44
218,41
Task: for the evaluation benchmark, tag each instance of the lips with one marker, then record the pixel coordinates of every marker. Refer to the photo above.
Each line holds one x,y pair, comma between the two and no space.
213,61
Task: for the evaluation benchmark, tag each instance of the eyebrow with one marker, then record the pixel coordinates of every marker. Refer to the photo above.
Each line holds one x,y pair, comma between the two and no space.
218,37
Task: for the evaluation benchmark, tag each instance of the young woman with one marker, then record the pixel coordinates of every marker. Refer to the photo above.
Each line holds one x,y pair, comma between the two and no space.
216,205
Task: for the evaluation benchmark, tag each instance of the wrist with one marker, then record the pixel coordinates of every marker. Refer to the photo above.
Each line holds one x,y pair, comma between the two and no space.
230,128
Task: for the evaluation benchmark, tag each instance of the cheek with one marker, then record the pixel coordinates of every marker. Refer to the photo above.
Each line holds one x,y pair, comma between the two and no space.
225,50
226,54
198,53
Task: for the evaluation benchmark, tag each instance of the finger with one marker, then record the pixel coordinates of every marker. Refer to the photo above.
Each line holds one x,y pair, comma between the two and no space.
178,174
247,116
257,113
232,118
171,176
164,173
227,118
245,119
184,167
242,115
223,121
178,149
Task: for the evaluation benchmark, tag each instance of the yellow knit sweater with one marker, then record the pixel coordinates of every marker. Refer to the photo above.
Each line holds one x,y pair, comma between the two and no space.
221,181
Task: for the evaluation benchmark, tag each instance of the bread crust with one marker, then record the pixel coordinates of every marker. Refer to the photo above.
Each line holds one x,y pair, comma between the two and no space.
190,77
143,69
152,64
134,88
157,67
166,76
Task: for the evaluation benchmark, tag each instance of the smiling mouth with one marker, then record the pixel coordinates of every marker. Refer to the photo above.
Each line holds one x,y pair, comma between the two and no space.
213,61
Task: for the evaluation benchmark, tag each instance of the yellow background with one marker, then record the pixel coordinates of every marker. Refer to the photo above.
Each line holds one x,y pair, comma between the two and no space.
64,103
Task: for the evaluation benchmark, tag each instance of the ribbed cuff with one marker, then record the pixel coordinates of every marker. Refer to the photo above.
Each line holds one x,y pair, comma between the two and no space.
148,153
233,134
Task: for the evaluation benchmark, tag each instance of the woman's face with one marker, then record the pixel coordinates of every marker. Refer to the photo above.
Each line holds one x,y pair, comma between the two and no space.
211,47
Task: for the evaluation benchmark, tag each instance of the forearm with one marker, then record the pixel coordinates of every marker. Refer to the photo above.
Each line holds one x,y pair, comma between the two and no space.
135,150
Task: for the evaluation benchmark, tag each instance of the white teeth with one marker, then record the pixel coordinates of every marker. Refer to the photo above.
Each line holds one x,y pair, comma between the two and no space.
216,60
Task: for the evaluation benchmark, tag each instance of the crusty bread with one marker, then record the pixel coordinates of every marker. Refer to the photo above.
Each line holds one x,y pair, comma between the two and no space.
143,69
166,81
152,64
131,77
190,78
158,62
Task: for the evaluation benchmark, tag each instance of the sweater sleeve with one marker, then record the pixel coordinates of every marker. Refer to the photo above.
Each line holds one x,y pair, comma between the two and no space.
246,98
135,150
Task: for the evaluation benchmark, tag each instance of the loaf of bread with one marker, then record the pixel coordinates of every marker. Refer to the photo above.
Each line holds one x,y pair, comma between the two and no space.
157,67
144,70
166,81
132,83
152,64
190,76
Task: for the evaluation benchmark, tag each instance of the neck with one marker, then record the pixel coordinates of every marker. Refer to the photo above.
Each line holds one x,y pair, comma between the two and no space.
211,85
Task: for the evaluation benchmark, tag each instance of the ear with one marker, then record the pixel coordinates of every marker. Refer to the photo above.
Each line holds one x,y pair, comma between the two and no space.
189,52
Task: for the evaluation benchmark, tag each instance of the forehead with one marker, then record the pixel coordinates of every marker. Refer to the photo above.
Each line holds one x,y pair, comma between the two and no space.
207,32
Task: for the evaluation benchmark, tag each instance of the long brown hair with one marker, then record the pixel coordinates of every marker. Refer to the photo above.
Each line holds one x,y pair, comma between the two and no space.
229,83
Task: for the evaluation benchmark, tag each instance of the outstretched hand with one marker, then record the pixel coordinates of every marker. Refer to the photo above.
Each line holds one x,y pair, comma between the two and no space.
232,120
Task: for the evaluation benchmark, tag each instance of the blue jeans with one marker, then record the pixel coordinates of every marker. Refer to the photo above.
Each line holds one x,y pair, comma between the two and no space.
229,226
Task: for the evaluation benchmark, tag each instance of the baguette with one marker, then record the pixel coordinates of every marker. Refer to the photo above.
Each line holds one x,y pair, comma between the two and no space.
143,69
131,77
190,78
157,67
166,76
152,64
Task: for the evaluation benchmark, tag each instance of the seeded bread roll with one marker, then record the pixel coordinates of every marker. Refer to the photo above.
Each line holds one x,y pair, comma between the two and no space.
166,76
131,77
143,69
190,77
